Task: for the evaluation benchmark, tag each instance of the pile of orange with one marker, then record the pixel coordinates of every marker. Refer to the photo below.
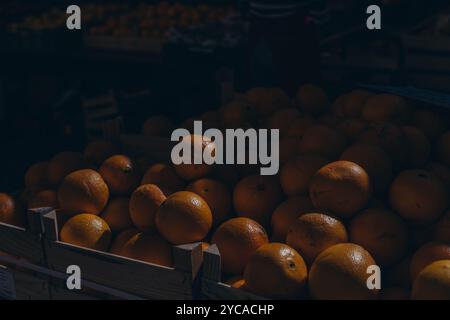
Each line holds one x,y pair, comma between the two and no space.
364,181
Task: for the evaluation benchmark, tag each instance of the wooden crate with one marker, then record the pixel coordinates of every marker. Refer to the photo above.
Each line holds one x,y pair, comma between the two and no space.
212,286
119,276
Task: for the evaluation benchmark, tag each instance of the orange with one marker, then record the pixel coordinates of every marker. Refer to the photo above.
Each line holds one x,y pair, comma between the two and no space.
374,161
286,214
62,164
236,282
312,233
442,232
439,170
341,187
382,233
227,174
282,120
323,141
204,245
237,114
117,214
427,254
196,171
36,176
433,282
355,102
431,123
298,126
120,174
330,120
99,150
148,247
164,177
44,199
385,107
184,217
418,195
296,174
351,128
417,145
276,271
83,191
87,230
256,197
122,238
443,148
216,195
267,101
340,272
157,126
312,99
390,138
144,203
237,239
11,211
394,294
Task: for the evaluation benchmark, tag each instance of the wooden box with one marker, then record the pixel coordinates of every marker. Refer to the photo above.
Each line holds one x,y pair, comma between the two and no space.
212,286
115,276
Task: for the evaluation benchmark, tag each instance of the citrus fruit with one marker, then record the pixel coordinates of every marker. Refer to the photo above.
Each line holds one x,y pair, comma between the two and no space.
216,195
184,217
340,272
323,141
427,254
63,164
385,107
87,230
431,123
144,203
312,99
11,211
382,233
157,126
36,176
417,145
237,239
83,191
44,199
408,197
282,120
164,177
439,170
276,271
298,126
433,282
256,197
285,215
116,214
236,282
288,149
148,247
120,174
99,150
122,238
355,102
341,187
351,128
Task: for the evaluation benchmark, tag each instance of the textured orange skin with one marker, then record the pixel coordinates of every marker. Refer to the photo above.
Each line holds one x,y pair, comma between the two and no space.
433,282
150,248
237,239
122,238
184,217
267,101
256,197
83,191
117,215
323,141
288,149
282,120
351,128
340,272
287,270
443,148
297,173
427,254
408,198
382,233
312,99
10,211
120,174
418,147
286,214
36,176
163,176
144,203
341,187
312,233
355,102
374,161
99,150
88,231
299,126
385,107
63,164
44,199
216,195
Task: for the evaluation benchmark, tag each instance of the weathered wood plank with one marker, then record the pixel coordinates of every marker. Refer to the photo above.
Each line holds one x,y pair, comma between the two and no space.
21,243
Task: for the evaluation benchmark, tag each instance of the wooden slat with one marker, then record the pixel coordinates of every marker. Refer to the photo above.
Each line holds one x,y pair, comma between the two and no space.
21,243
131,276
211,285
30,286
